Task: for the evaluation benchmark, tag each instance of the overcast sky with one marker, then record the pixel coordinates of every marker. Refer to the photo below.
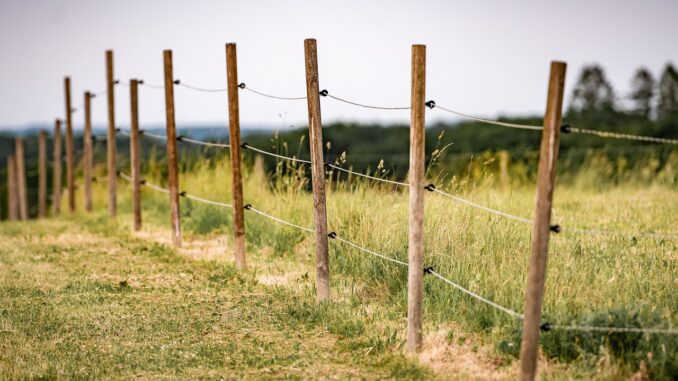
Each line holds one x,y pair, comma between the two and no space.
484,57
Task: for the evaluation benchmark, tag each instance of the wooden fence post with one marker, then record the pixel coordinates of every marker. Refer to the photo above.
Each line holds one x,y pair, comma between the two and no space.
110,138
173,171
416,177
87,152
42,174
70,149
135,152
57,159
317,170
234,142
548,157
20,174
12,204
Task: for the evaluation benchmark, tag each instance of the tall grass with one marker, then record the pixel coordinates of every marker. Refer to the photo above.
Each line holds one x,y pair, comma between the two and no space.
592,279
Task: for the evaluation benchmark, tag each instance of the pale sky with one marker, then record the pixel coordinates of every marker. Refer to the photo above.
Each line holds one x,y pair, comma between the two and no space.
487,58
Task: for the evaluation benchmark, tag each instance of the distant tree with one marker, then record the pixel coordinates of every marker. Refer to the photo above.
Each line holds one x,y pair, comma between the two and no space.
668,92
642,91
593,91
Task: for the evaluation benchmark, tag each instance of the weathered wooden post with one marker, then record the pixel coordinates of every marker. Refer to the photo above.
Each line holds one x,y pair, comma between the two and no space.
12,199
173,171
42,174
110,137
20,174
56,168
317,171
548,157
234,142
416,176
70,149
87,152
135,153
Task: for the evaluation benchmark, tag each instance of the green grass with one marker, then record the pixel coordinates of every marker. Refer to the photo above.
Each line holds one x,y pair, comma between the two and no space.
591,279
82,299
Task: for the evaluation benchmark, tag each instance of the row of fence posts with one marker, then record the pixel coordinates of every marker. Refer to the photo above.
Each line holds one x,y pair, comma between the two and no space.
542,222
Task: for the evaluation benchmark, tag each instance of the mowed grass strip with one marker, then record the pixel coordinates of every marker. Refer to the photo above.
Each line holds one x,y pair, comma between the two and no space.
81,299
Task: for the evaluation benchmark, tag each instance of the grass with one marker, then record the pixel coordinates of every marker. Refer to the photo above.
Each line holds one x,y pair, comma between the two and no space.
611,280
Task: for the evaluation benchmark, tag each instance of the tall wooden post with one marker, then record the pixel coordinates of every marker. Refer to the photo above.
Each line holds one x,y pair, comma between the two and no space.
42,174
20,172
234,140
415,250
70,149
12,199
317,171
548,157
56,169
135,153
87,152
110,138
173,171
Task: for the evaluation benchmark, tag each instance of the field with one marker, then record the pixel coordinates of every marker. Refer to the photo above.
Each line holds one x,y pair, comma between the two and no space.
85,297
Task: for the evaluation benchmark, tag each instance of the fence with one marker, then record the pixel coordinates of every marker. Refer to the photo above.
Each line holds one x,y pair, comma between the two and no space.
542,226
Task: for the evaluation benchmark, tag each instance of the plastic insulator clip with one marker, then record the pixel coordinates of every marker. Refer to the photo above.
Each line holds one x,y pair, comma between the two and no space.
94,179
180,138
242,85
428,270
430,187
142,182
244,145
140,82
565,129
92,95
118,129
94,138
247,206
555,228
332,235
141,132
430,104
177,82
324,93
182,193
117,173
545,327
116,82
329,163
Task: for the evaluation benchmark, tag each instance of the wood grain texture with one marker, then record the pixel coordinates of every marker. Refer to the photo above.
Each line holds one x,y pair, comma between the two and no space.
415,251
546,176
22,191
172,169
135,153
234,140
87,160
70,149
317,171
56,168
110,138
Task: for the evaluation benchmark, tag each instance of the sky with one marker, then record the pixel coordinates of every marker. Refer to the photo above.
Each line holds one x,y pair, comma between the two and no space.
488,58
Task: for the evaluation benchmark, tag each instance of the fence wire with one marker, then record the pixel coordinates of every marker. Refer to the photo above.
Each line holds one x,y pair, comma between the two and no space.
201,89
326,93
245,87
